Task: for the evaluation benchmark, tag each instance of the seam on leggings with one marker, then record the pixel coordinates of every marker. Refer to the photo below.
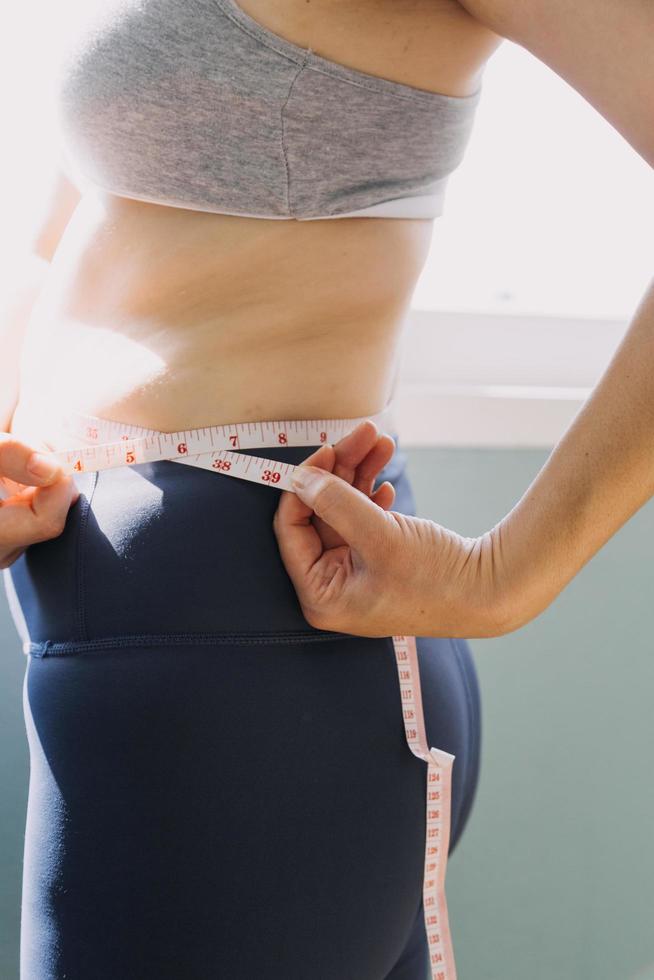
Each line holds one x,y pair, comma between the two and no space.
82,632
54,648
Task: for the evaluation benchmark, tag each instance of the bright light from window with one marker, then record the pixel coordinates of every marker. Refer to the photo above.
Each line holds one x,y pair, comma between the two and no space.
551,210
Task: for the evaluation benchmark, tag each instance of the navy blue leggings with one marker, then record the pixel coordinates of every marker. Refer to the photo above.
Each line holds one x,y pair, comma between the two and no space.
204,763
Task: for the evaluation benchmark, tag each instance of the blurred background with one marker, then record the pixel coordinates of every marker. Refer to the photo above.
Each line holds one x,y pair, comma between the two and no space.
536,267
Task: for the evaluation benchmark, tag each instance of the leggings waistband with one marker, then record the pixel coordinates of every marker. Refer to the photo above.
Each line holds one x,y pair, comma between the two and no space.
181,546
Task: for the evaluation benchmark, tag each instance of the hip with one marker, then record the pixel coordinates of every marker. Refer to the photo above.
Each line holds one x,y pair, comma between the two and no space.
183,560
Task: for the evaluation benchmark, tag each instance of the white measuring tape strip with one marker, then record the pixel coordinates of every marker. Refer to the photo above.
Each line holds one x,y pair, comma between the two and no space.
106,443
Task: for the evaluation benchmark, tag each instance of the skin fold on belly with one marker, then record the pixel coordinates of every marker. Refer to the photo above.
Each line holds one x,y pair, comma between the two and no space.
171,319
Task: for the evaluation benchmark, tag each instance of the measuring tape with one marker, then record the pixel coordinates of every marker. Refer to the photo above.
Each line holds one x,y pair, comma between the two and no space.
106,443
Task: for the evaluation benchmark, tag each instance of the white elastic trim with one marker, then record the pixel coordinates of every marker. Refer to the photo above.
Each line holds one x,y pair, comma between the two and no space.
424,206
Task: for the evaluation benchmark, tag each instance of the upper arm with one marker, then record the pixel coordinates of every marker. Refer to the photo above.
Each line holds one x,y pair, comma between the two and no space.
605,50
60,201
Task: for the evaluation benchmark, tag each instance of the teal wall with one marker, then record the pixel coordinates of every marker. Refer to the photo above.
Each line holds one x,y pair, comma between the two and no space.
554,877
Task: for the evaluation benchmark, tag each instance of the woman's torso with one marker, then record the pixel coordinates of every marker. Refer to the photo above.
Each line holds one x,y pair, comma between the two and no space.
172,318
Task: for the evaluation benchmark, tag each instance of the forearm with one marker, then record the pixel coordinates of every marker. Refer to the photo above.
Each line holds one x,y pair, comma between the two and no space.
21,286
597,476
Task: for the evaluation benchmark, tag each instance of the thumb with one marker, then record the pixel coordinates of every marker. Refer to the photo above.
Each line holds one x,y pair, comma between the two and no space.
347,510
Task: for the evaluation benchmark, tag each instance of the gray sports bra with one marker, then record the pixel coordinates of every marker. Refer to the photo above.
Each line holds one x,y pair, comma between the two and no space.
194,104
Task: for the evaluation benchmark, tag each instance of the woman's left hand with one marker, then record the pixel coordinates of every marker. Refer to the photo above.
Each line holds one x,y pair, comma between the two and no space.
360,568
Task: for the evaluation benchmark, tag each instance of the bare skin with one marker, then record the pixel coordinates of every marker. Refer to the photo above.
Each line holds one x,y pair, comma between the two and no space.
363,569
338,547
171,318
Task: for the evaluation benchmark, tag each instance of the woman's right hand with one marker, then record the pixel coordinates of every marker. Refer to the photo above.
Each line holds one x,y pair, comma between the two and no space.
358,567
33,506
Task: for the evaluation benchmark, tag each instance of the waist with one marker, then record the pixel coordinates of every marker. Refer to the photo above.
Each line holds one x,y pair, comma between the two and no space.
142,259
173,319
68,367
167,549
42,422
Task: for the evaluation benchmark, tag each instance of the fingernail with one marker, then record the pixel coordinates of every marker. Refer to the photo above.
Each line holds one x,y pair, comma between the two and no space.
39,465
306,477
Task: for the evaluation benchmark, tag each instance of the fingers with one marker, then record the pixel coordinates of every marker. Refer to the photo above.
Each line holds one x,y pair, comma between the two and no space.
299,543
362,454
35,514
324,458
370,467
354,448
38,501
384,495
7,560
21,463
357,458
